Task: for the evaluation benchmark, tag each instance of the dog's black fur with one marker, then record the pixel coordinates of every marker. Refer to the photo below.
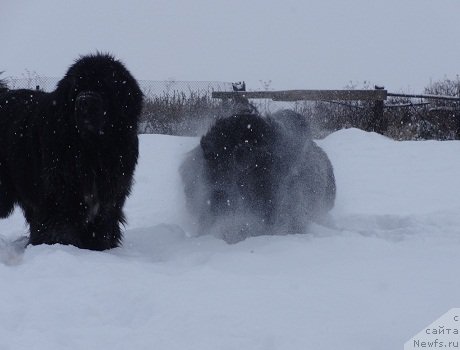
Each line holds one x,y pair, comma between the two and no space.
67,157
252,175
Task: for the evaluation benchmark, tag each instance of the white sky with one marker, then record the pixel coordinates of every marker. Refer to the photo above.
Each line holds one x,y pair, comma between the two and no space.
400,44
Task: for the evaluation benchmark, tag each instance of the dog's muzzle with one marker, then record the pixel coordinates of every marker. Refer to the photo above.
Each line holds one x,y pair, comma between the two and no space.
89,111
87,99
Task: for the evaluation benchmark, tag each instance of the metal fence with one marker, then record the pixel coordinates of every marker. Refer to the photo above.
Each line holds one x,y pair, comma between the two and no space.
153,89
32,82
170,107
150,88
187,108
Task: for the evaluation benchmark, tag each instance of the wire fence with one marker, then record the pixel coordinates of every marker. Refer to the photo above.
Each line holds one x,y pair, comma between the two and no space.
150,88
170,107
32,82
187,108
154,89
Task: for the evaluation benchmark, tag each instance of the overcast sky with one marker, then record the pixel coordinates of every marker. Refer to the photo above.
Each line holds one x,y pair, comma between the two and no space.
401,44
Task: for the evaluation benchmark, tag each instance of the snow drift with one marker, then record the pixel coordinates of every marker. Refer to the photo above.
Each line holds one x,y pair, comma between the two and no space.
385,267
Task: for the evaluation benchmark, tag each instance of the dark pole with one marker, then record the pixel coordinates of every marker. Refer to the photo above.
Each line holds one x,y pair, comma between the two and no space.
379,124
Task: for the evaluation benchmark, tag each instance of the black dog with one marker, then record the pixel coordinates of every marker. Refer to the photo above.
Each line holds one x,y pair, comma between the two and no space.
67,157
252,175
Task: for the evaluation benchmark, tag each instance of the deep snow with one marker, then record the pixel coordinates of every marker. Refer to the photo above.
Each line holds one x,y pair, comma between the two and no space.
384,267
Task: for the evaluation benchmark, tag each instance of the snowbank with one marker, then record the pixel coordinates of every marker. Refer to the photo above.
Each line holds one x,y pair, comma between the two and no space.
383,267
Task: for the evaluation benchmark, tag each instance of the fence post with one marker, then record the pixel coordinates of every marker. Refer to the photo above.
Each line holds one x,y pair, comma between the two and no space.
379,124
240,104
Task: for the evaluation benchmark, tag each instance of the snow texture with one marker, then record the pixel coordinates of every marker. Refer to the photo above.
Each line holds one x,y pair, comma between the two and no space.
384,267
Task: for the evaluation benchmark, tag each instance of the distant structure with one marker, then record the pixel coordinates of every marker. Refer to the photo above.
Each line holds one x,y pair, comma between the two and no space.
239,86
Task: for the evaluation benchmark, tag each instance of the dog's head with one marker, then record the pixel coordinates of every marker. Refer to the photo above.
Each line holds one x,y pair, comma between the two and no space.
101,92
242,142
240,157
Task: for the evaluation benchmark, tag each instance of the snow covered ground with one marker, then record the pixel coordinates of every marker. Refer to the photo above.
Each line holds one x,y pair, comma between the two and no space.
386,266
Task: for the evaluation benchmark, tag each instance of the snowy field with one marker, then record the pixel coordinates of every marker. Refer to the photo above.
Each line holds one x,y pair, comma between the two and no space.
385,266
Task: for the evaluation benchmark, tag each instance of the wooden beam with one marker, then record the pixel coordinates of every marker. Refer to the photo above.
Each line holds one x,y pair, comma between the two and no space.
433,97
306,95
403,105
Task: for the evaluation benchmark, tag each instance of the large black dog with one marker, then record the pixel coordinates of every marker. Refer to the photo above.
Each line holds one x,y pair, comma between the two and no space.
252,175
67,157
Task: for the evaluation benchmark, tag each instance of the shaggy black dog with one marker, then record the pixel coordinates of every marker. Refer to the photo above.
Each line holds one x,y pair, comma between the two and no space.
252,175
67,157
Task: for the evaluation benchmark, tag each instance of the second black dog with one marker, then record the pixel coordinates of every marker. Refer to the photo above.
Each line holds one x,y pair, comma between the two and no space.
252,175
